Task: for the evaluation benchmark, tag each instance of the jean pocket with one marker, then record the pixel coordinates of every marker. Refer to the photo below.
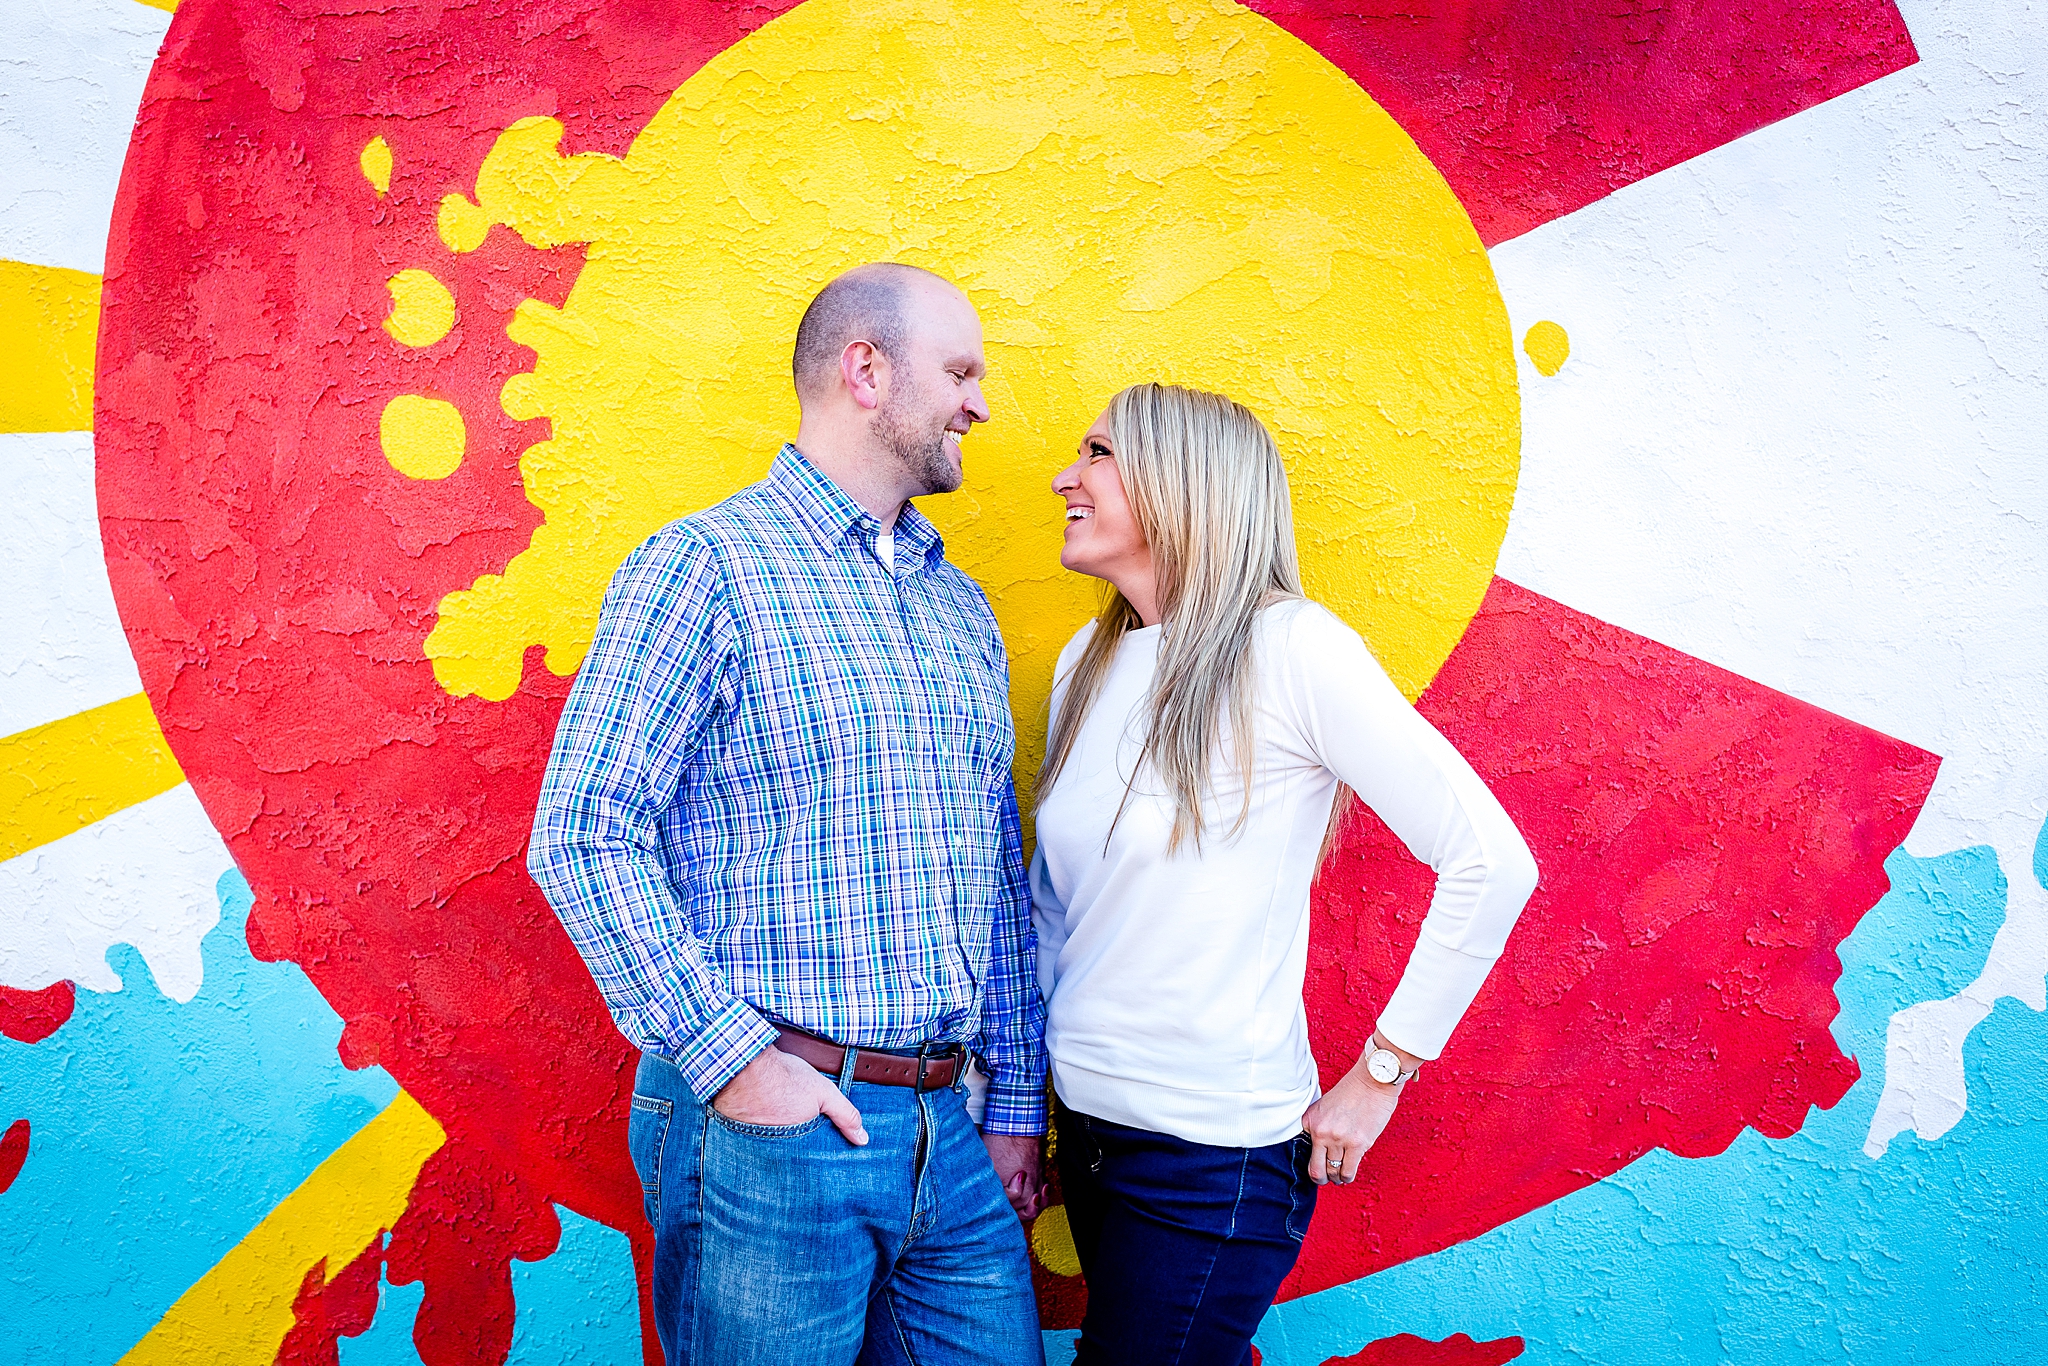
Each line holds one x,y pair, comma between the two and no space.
766,1130
1302,1202
646,1136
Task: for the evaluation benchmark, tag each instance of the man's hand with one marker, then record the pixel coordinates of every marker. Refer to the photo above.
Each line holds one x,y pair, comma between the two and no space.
1349,1119
778,1089
1019,1160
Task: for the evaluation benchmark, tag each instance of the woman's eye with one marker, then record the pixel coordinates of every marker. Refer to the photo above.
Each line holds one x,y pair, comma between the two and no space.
1097,451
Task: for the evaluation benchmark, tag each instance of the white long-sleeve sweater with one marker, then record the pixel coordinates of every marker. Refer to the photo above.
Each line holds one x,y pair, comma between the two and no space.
1173,983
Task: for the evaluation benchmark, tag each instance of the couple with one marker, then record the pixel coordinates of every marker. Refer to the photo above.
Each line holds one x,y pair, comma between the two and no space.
779,825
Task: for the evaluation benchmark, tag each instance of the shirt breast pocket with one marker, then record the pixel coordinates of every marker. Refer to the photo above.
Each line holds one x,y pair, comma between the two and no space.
978,721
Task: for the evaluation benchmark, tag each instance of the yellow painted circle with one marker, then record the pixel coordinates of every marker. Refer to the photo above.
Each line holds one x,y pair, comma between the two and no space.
1548,346
1185,194
422,309
422,437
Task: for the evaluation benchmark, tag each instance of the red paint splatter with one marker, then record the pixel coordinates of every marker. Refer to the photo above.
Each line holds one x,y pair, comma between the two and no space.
325,1311
32,1016
1456,1350
276,579
1534,108
13,1152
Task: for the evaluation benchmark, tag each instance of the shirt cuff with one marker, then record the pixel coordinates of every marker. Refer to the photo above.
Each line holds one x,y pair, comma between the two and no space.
1015,1109
717,1051
1435,990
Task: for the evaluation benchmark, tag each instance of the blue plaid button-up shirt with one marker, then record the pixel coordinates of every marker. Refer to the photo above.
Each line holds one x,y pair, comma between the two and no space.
781,787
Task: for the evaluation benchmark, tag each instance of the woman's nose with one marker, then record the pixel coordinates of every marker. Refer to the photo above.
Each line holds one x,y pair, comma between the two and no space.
1065,480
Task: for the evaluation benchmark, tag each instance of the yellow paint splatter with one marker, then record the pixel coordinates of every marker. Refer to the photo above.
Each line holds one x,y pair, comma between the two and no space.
239,1312
49,326
423,438
1052,1240
462,225
1547,346
63,776
1188,194
376,163
422,309
170,5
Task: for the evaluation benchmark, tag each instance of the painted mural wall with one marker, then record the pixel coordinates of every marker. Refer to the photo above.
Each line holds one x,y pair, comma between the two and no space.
1662,388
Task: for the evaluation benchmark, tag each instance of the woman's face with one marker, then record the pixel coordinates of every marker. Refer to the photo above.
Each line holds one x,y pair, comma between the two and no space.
1102,536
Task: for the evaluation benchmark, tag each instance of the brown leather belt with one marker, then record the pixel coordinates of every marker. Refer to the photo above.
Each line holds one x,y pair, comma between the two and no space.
926,1071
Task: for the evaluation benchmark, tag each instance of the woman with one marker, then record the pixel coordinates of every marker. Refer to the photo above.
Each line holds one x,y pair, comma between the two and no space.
1205,726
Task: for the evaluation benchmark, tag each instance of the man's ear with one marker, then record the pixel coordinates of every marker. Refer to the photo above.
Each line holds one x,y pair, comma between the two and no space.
866,372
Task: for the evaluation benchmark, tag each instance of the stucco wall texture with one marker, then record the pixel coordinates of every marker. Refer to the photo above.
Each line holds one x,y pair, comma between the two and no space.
1661,388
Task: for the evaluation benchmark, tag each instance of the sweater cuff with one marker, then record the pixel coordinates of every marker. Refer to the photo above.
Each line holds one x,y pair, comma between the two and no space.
718,1050
1435,990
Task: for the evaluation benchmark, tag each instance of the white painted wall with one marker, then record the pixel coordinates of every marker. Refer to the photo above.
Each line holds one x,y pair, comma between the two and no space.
62,649
143,876
1803,435
71,76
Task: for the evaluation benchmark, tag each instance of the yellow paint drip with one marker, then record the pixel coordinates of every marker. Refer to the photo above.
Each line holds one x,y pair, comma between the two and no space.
1052,1241
423,438
238,1313
49,326
376,163
170,5
1548,346
422,309
1185,194
59,778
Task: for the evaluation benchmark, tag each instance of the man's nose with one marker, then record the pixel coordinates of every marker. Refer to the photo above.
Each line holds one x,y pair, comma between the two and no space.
976,406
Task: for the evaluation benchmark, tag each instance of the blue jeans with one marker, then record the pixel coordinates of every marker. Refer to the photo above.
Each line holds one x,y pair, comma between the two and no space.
775,1244
1183,1245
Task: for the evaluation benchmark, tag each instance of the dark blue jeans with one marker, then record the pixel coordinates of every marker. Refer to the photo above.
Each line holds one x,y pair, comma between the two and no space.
1183,1245
776,1244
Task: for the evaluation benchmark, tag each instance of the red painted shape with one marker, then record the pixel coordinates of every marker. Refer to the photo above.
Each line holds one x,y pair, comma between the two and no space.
13,1152
325,1311
1534,108
1705,843
277,578
32,1016
1406,1349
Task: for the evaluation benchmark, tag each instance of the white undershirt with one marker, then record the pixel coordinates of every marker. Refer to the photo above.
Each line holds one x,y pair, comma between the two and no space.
1173,984
885,548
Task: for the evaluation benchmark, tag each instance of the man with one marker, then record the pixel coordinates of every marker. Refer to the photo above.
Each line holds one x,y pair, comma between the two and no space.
779,826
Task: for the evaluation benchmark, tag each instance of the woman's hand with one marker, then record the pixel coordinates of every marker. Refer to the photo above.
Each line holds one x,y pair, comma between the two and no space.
1349,1119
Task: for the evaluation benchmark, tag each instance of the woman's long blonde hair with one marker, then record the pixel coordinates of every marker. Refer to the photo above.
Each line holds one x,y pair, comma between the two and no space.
1209,493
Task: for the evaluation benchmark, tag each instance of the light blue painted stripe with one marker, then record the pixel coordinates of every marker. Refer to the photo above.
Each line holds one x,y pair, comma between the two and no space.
160,1134
1800,1249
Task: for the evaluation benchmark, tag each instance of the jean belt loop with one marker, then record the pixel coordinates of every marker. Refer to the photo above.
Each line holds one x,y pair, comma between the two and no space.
846,1069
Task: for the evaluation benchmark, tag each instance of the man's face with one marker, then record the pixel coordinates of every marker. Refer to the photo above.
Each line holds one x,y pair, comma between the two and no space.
933,393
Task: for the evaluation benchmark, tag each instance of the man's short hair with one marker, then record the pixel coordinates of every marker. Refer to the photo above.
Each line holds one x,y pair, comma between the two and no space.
864,304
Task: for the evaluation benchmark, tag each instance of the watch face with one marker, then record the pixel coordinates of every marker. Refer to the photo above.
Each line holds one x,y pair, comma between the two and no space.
1384,1066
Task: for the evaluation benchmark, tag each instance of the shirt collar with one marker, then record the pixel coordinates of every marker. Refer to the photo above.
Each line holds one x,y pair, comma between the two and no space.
831,513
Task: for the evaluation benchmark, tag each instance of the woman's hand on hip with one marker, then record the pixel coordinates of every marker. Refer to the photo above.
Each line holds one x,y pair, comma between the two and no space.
1345,1123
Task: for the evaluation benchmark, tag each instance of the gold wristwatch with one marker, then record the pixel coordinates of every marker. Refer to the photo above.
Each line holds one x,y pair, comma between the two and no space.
1383,1065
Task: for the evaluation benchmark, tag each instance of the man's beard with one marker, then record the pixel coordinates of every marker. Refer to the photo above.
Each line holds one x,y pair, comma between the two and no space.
916,446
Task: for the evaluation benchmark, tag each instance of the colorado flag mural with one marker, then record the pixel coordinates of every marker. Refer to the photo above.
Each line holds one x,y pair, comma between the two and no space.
1661,390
